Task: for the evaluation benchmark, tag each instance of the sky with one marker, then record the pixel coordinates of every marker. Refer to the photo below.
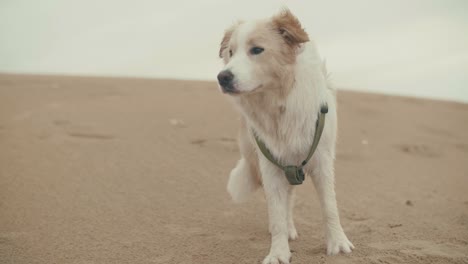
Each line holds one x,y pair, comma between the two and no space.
414,48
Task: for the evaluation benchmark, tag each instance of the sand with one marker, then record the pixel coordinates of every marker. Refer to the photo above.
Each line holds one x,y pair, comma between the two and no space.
106,170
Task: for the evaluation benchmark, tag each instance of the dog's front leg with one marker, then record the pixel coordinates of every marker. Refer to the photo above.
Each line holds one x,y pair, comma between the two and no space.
324,180
291,227
276,191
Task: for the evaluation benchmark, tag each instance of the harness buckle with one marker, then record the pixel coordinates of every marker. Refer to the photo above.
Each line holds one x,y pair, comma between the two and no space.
294,174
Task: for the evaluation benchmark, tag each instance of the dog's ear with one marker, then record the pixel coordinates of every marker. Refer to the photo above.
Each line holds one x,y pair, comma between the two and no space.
289,27
227,37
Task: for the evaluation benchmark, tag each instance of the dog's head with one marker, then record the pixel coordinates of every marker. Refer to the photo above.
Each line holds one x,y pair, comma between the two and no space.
255,53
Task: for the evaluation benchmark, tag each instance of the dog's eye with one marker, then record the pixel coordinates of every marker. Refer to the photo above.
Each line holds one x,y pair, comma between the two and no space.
230,53
256,50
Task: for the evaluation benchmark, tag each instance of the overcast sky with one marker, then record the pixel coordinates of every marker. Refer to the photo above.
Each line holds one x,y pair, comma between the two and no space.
417,47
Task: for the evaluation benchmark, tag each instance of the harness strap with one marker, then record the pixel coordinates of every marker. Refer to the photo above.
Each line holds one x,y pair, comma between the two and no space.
295,174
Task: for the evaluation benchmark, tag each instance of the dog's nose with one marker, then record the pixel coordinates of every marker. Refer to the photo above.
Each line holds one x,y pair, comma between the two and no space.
225,78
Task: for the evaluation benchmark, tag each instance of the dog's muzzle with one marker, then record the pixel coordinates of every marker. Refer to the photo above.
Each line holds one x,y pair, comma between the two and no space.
225,80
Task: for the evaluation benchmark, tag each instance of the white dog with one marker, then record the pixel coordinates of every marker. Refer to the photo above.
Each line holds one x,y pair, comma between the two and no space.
278,82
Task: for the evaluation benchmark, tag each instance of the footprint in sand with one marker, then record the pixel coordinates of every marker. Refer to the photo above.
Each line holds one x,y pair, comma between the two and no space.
229,144
383,259
356,217
81,132
226,143
88,135
437,131
227,139
360,224
462,147
198,142
462,220
423,248
5,241
419,150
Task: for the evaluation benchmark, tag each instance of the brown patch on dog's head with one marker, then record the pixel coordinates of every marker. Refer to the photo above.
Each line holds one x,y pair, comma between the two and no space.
227,37
259,55
289,28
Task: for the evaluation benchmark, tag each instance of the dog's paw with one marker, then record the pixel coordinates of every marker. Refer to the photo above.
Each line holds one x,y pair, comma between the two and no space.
283,257
292,232
337,243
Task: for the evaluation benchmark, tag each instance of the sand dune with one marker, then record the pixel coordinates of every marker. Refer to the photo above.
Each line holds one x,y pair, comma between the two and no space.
105,170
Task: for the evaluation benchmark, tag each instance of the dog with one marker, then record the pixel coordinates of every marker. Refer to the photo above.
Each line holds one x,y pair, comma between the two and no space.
276,79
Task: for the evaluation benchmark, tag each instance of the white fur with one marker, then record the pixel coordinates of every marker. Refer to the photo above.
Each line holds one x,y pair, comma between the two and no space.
290,144
240,64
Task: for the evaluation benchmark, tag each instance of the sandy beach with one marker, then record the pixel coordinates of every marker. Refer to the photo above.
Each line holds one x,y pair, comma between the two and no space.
114,170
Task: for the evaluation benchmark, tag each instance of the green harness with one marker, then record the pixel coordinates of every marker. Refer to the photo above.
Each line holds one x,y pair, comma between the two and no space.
295,174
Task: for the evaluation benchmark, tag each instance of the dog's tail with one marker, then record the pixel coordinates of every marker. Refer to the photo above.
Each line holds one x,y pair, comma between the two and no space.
243,181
